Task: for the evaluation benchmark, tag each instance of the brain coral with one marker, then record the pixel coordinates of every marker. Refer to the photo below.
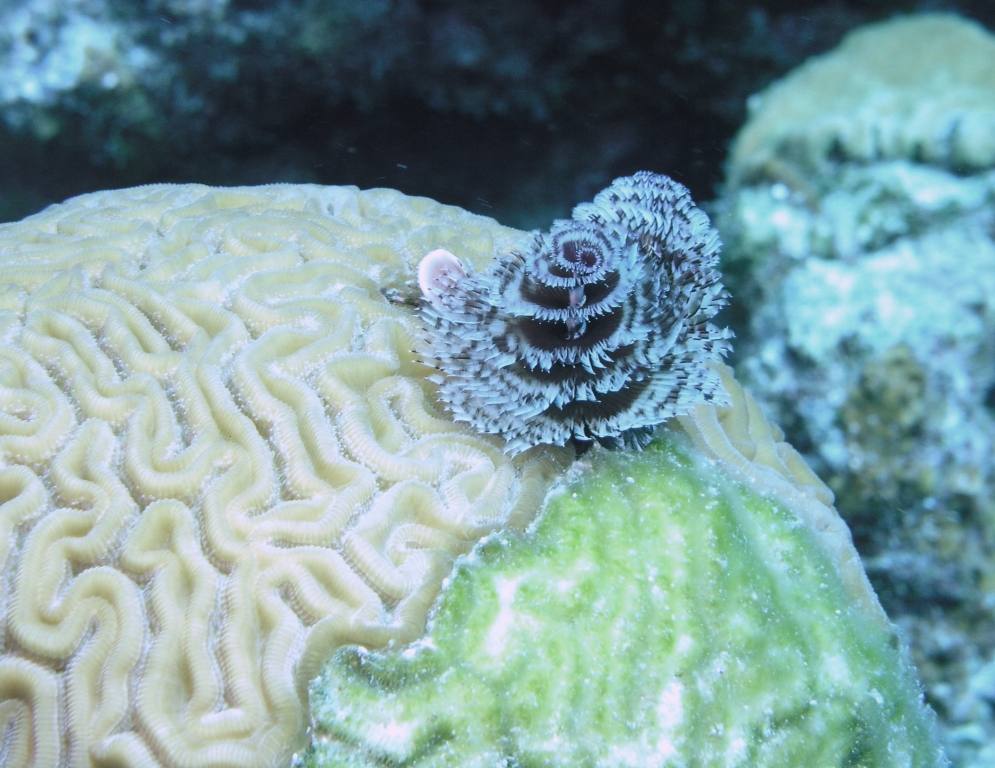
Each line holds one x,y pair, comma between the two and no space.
218,463
697,604
918,87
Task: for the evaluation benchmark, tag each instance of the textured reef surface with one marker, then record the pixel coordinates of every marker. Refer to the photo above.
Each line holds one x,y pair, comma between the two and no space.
694,604
219,461
860,244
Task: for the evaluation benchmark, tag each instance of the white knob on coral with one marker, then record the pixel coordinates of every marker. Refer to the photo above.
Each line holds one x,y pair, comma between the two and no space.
436,271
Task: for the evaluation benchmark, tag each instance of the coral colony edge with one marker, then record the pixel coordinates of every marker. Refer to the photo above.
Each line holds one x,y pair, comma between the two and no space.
239,460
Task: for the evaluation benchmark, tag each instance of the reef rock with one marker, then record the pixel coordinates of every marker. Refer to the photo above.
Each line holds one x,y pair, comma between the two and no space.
860,244
918,87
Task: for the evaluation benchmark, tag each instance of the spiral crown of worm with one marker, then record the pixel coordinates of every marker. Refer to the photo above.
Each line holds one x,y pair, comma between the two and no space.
599,330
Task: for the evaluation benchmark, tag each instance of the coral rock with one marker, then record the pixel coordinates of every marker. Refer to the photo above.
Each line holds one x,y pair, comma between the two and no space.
918,87
860,238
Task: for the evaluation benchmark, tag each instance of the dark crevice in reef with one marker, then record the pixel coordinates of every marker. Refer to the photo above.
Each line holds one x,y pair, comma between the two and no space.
513,110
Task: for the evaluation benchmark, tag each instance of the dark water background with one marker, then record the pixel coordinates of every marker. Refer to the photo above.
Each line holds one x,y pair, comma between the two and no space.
516,110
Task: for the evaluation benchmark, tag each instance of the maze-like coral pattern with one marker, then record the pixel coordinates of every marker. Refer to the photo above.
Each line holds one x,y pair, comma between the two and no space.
739,436
219,461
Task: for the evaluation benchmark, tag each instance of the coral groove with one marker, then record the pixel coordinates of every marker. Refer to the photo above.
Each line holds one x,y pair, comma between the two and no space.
219,461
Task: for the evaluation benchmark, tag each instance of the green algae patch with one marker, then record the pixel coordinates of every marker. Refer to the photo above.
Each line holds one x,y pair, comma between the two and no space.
659,614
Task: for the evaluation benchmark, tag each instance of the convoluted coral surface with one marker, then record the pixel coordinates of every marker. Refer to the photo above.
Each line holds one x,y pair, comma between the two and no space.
691,605
218,462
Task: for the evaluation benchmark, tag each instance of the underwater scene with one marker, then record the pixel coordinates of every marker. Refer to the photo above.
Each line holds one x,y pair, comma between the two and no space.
452,384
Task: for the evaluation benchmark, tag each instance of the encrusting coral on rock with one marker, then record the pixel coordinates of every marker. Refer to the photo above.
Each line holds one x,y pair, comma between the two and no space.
219,462
918,87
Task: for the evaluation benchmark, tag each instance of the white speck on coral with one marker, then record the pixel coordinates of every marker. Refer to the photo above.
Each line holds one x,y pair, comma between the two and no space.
836,669
781,218
392,737
425,644
497,635
670,707
564,585
736,751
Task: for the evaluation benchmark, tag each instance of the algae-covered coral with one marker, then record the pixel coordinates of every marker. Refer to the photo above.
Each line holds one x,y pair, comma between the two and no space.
219,461
669,609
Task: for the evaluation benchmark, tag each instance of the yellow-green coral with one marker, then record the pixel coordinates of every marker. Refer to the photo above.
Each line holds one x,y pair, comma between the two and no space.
219,461
692,605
